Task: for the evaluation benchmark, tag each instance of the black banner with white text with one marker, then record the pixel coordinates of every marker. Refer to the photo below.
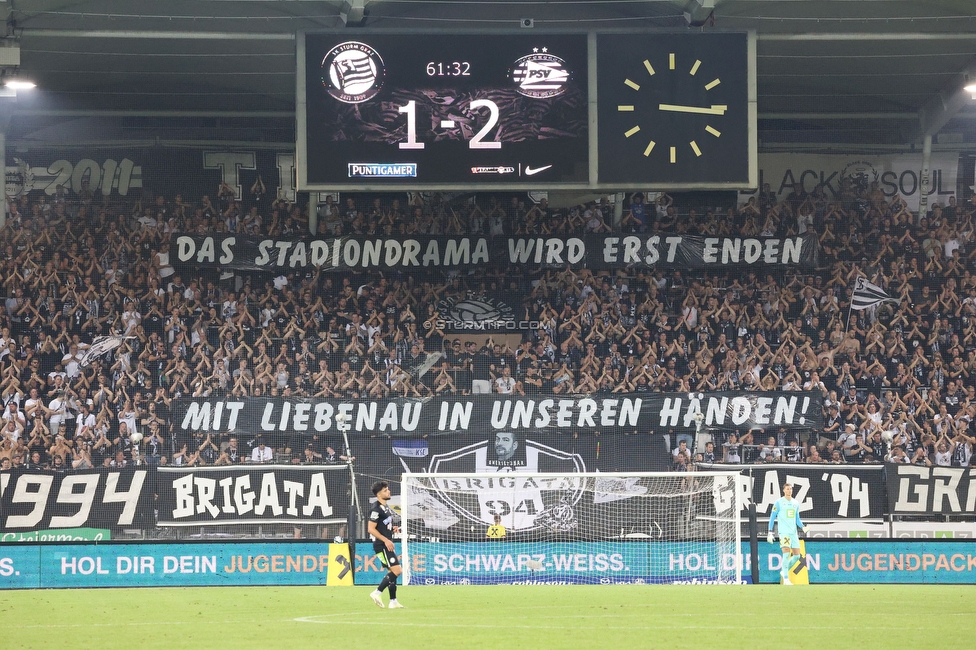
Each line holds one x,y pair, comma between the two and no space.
823,491
320,494
347,253
99,498
309,494
920,490
623,412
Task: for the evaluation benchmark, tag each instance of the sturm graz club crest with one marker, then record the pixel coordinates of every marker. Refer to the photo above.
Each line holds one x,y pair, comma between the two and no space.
353,72
540,74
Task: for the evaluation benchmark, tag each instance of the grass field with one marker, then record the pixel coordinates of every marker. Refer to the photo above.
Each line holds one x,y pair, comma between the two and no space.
861,617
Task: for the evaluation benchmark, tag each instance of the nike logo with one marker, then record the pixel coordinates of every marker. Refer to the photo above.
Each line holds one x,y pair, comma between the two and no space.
532,172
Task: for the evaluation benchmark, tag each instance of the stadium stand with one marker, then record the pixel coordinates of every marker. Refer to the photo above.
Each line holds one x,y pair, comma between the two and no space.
901,374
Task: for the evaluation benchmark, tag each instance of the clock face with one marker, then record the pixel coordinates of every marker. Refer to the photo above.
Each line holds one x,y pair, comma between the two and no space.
673,109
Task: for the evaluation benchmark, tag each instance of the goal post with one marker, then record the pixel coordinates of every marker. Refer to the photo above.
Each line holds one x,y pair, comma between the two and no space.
582,528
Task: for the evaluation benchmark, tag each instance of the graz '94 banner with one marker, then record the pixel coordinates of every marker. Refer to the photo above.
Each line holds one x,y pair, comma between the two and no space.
643,251
621,412
823,491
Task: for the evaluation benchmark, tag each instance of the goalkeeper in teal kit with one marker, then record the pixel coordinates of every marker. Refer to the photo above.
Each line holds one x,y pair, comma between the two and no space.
786,514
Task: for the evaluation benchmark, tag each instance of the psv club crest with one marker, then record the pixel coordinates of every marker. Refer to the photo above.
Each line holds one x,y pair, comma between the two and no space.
540,74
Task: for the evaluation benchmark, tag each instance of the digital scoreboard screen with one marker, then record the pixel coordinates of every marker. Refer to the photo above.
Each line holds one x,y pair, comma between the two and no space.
612,111
442,110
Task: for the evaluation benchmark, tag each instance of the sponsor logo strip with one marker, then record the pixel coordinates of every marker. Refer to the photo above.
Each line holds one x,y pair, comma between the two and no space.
382,170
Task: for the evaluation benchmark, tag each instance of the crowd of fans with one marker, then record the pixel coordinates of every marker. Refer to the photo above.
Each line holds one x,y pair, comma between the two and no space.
898,379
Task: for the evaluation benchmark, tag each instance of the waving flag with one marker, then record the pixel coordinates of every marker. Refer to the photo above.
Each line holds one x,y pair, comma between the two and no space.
101,346
867,294
410,448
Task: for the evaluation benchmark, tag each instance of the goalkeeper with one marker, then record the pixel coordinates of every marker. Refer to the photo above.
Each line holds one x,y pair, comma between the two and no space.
786,514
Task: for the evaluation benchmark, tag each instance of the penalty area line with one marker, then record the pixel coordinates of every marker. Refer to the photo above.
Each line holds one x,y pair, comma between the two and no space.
461,624
68,625
129,624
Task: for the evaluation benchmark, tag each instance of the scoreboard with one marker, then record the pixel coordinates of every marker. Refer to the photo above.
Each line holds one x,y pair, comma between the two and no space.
525,111
446,109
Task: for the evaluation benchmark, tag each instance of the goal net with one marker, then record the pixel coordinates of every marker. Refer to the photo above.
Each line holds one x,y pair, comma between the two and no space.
594,528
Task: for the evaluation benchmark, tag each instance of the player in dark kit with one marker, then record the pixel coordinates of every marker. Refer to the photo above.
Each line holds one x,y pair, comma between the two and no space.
383,523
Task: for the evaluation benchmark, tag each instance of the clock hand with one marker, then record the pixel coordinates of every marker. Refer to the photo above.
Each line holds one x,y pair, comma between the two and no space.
716,109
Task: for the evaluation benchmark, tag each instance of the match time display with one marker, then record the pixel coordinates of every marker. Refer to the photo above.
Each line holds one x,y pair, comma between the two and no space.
438,110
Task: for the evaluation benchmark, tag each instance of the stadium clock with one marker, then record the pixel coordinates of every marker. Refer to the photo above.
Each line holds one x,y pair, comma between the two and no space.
674,110
442,110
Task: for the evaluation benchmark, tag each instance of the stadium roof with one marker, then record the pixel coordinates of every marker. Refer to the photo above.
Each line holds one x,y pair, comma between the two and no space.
863,72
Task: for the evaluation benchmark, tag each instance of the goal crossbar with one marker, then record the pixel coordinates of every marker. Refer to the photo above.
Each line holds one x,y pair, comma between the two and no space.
595,527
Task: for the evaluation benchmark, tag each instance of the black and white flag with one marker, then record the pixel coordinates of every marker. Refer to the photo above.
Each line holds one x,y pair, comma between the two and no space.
101,346
868,294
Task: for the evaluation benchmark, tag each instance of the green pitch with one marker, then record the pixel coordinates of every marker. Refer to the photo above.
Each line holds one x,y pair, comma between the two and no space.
861,617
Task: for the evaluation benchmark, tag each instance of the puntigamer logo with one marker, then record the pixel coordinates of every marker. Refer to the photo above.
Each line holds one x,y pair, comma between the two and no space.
353,72
382,170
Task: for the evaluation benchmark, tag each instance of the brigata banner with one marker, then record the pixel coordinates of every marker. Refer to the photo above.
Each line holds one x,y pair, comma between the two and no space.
621,412
823,491
918,490
651,250
33,500
313,494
